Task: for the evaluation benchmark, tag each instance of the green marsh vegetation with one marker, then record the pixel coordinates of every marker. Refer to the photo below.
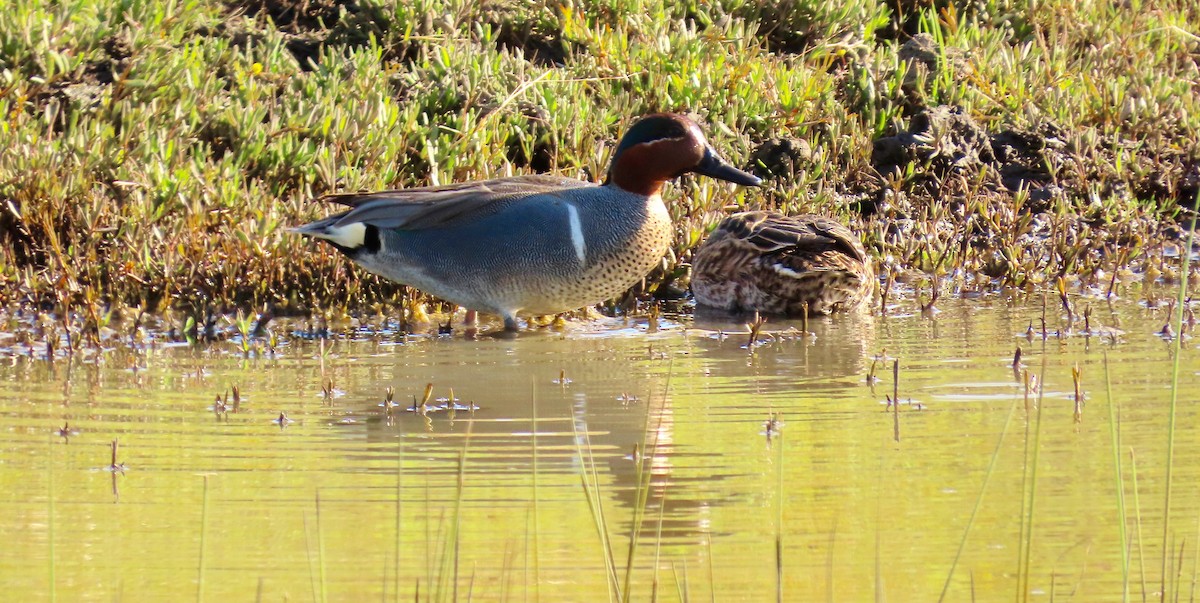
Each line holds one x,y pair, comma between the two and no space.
154,152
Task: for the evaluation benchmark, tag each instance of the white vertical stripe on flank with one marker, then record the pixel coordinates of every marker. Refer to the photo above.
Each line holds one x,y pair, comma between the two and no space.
577,232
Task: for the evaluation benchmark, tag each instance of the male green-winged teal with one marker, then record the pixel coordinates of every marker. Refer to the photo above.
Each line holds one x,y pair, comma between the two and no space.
767,262
529,244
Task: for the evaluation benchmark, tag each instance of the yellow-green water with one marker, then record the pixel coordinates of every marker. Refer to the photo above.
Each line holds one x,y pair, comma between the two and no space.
310,510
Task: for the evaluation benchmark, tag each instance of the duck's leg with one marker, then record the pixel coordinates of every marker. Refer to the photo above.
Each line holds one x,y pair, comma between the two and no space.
470,324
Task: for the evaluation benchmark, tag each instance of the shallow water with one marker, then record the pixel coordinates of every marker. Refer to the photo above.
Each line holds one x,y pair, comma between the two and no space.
309,509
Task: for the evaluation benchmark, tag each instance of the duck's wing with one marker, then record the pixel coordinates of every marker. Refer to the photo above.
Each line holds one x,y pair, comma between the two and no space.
772,233
439,206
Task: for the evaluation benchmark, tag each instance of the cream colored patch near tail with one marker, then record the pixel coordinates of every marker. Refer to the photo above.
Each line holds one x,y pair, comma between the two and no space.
351,236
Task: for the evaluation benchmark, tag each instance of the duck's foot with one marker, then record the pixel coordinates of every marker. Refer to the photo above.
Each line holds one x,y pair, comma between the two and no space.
511,324
512,329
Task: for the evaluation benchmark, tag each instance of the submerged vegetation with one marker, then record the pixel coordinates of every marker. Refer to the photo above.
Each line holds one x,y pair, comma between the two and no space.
155,152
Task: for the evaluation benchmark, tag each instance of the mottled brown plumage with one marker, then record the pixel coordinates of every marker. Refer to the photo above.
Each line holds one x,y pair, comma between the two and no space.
776,264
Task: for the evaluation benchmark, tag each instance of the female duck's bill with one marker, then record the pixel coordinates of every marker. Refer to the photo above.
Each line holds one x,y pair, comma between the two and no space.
530,244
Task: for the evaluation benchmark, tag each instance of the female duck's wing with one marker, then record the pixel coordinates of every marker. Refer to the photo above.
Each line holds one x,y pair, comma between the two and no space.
771,233
439,206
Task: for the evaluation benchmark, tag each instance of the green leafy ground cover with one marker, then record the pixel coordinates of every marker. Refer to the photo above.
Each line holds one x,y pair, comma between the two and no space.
153,153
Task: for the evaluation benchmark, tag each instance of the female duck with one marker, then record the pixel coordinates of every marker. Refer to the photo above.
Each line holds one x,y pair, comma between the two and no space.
529,244
771,263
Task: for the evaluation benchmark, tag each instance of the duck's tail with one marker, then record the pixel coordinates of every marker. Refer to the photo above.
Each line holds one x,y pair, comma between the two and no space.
348,237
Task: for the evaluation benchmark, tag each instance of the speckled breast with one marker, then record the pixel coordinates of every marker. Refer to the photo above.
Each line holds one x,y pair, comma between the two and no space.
614,262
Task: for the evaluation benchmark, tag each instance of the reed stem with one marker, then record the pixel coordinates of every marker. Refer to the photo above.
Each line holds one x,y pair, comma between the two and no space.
50,524
987,477
399,510
203,543
1177,349
1033,474
1115,437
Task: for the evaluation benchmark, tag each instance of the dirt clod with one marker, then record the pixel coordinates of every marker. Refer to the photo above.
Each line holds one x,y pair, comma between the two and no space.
780,157
945,138
922,52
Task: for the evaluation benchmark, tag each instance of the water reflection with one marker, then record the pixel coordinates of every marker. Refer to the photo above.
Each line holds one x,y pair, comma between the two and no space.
821,347
600,415
616,408
689,403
